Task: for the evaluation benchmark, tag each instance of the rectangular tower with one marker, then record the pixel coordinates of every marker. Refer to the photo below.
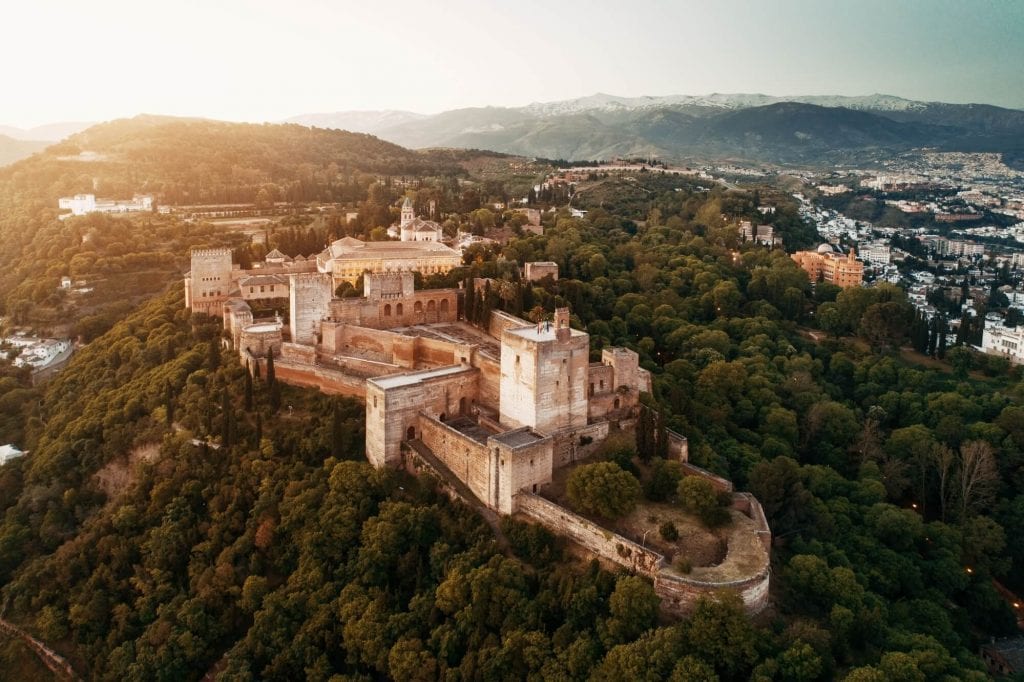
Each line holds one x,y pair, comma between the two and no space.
544,376
309,299
209,282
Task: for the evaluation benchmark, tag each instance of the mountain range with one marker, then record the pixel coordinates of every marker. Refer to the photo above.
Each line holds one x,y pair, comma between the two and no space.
751,127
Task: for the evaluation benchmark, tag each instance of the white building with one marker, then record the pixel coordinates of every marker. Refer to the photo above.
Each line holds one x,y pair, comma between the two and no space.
9,452
35,352
413,229
876,253
81,204
1005,341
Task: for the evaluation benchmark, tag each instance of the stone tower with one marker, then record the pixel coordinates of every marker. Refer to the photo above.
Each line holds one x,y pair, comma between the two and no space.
309,299
209,282
544,376
408,212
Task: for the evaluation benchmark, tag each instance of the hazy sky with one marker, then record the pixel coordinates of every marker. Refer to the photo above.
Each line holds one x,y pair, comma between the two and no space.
268,59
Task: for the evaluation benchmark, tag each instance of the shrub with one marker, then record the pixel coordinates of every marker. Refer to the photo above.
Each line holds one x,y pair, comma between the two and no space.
668,531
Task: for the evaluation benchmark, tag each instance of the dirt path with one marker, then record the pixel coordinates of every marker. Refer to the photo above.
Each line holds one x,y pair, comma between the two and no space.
50,658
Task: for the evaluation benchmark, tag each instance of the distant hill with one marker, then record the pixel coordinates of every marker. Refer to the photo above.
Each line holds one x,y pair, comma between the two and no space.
12,150
806,129
51,132
356,121
183,160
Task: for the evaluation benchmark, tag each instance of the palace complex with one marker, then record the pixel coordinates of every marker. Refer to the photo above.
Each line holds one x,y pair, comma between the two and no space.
492,412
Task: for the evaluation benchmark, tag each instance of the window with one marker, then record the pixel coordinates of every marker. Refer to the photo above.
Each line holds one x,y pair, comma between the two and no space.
387,310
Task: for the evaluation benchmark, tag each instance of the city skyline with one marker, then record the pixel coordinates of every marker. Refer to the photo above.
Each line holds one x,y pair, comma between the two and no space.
261,61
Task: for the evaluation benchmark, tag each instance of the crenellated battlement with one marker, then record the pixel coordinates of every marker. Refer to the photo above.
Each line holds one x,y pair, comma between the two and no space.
211,253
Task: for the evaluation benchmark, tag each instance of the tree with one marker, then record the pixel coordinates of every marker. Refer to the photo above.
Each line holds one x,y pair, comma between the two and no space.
698,496
830,320
663,480
248,392
169,403
634,609
977,477
885,325
961,360
603,488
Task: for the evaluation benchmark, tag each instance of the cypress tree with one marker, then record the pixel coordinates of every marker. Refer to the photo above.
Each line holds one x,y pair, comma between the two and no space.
248,392
662,448
933,337
169,402
225,426
941,350
213,354
271,377
470,301
259,431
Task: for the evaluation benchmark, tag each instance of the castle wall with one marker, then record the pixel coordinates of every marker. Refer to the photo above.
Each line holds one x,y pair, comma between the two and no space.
309,296
720,484
434,352
384,346
298,353
422,307
394,403
568,448
327,380
679,594
500,321
490,378
588,535
465,457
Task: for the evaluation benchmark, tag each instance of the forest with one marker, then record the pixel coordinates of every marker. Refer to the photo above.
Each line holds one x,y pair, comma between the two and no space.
175,517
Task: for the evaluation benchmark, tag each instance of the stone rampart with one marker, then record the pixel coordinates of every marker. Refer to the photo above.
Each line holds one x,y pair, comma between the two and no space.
464,457
500,321
679,593
720,484
588,535
327,380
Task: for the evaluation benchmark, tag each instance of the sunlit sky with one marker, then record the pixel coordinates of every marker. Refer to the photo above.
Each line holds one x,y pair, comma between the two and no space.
263,60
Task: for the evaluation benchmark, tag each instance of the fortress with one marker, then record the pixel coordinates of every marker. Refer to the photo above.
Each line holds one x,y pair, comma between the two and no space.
491,413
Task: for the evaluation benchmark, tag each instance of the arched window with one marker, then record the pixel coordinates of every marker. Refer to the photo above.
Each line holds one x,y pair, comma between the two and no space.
387,310
431,306
398,310
417,307
410,433
444,306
